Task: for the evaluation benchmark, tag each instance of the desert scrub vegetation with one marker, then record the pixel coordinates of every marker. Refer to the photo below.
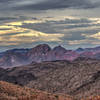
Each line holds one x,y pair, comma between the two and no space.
10,91
93,98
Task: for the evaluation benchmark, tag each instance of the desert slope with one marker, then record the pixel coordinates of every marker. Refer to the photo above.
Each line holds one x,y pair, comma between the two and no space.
10,91
80,78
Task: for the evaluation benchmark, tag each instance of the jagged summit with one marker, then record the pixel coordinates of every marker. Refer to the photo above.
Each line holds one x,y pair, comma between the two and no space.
59,48
44,52
79,50
41,48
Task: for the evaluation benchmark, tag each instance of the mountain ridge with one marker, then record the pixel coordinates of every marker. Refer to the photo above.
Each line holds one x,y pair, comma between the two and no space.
44,52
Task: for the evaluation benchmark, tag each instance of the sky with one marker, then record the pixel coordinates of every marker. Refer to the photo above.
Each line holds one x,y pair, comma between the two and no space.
70,23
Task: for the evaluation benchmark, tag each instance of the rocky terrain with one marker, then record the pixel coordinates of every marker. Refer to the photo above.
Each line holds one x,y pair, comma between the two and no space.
44,52
10,91
79,78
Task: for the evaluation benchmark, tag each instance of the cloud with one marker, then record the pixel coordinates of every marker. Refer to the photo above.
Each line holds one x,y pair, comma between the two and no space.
7,18
58,4
53,26
48,4
96,35
84,42
66,29
54,31
72,28
17,35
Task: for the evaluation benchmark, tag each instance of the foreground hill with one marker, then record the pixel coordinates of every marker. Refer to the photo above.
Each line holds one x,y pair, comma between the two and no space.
44,52
80,78
10,91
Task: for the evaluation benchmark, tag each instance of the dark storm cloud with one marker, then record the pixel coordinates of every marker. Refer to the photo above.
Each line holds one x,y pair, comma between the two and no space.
79,26
72,21
74,36
57,4
7,18
5,1
14,33
5,29
17,18
42,27
34,5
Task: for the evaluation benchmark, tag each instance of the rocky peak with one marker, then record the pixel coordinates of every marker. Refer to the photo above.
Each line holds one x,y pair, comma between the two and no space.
43,48
80,50
59,49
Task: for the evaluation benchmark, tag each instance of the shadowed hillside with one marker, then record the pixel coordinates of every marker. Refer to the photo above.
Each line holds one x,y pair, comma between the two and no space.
80,78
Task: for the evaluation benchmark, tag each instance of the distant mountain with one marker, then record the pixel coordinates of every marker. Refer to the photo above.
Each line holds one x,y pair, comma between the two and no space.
79,78
11,58
1,54
79,50
92,50
57,53
44,52
18,50
59,49
38,53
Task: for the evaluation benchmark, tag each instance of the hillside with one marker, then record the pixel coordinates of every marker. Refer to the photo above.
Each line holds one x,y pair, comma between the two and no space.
80,78
10,91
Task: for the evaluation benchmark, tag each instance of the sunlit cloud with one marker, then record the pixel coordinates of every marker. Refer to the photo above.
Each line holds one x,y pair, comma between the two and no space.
84,42
26,23
33,21
96,36
21,22
38,36
76,42
17,35
12,30
95,20
5,26
14,23
66,29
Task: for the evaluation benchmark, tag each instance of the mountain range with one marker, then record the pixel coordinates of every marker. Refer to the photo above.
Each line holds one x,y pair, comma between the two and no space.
79,78
57,71
43,52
